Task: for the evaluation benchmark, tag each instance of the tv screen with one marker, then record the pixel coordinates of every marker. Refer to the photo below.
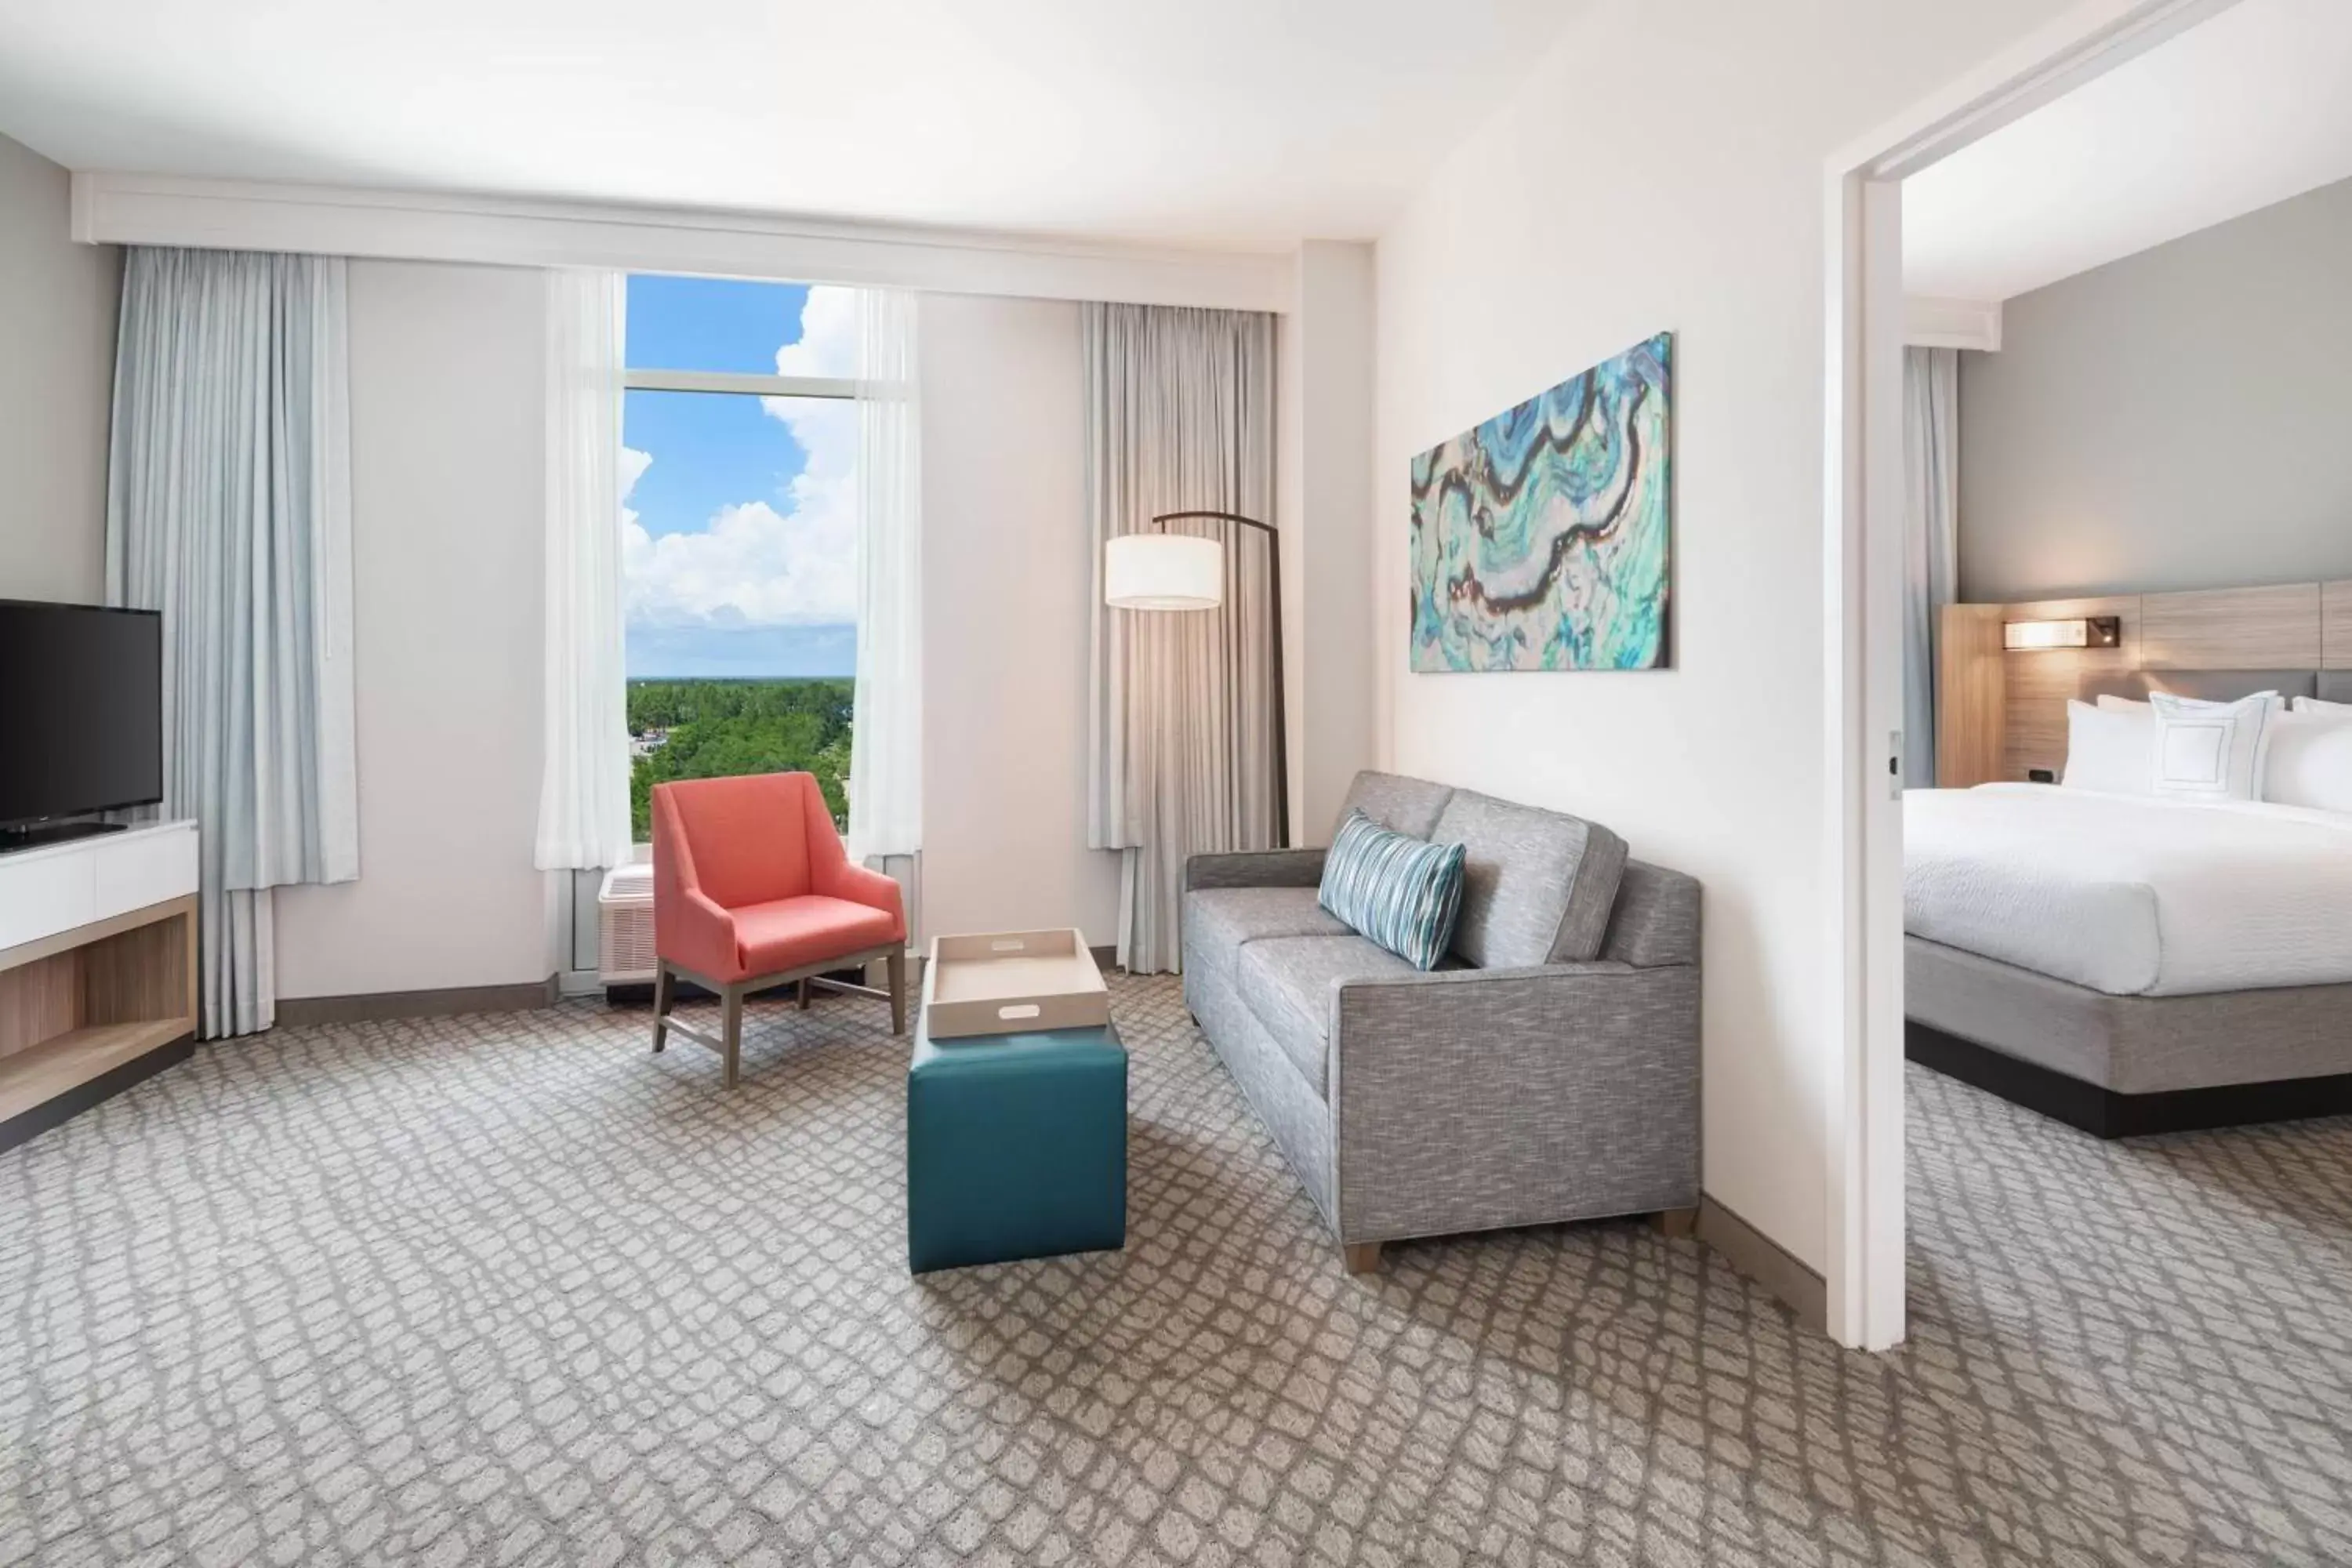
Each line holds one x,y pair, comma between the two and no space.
82,710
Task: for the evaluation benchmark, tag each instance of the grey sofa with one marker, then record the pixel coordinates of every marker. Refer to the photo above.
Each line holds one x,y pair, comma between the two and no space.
1547,1071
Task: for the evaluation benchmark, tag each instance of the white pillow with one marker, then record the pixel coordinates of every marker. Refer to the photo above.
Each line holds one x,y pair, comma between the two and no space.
2110,703
2315,705
2211,750
2310,761
2109,751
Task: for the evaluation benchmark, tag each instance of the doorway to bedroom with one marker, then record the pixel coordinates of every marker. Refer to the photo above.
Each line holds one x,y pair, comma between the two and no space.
2086,544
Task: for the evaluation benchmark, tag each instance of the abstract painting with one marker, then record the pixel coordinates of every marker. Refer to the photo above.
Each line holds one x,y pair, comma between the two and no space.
1540,539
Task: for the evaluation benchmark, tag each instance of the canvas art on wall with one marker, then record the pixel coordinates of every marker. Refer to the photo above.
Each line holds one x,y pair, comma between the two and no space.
1540,539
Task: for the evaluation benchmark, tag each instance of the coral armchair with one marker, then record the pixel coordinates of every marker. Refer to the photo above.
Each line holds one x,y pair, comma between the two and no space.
752,889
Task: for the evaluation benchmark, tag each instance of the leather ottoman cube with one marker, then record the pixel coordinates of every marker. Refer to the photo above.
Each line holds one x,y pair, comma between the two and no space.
1016,1146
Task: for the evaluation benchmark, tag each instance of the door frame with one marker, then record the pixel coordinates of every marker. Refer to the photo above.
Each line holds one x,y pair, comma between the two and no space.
1862,616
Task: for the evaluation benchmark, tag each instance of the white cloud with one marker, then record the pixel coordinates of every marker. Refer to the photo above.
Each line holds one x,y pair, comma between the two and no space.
755,564
828,341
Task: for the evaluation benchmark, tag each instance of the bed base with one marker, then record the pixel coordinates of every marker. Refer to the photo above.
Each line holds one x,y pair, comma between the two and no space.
2120,1067
2103,1113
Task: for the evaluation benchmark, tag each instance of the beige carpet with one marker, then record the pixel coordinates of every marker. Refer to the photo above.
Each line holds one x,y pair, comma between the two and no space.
509,1289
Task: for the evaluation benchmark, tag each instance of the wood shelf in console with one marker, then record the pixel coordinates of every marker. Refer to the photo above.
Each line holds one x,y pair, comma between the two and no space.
35,1075
98,988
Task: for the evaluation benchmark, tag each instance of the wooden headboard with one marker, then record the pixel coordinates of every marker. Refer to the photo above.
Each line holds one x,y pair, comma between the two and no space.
2000,713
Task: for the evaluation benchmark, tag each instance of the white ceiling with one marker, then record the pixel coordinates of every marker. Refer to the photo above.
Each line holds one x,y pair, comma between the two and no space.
2242,110
1249,123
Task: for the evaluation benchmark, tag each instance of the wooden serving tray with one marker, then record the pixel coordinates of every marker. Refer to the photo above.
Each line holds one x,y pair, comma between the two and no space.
1011,983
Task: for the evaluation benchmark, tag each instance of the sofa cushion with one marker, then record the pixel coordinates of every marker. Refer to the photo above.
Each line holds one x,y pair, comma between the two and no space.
1395,802
1286,983
1537,886
1218,921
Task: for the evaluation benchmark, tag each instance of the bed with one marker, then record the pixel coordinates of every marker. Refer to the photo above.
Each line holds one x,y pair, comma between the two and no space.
2132,964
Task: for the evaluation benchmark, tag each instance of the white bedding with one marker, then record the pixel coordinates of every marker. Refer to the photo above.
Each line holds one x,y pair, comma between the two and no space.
2132,895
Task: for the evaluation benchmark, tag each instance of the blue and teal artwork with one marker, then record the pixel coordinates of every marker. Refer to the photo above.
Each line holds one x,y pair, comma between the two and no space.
1540,539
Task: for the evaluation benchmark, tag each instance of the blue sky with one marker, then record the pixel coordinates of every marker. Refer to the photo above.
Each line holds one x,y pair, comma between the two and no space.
740,511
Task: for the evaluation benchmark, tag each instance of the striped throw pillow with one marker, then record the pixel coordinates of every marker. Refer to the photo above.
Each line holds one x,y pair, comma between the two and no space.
1401,891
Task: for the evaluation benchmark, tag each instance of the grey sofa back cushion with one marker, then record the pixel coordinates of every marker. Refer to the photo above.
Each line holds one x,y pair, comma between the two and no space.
1657,919
1536,887
1398,803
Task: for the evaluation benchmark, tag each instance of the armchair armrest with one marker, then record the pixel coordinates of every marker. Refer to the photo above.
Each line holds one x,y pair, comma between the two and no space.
691,930
863,885
1255,868
1468,1100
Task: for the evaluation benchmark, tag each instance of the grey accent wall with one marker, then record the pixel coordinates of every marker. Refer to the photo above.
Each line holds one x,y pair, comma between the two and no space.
57,305
2181,418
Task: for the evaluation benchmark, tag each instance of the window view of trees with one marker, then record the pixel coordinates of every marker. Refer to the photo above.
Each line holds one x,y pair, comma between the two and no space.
712,729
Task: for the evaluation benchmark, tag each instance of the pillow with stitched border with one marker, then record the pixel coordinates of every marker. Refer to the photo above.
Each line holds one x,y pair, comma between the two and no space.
2211,750
1402,892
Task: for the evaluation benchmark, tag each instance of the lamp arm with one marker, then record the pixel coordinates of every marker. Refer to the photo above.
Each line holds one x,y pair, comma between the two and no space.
1264,528
1281,719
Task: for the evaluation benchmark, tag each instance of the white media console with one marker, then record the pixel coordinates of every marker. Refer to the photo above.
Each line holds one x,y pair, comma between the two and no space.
98,969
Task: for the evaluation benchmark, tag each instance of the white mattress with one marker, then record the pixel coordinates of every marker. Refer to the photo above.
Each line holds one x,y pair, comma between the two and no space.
2130,895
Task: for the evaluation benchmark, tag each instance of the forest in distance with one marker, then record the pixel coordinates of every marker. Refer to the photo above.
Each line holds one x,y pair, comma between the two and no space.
719,728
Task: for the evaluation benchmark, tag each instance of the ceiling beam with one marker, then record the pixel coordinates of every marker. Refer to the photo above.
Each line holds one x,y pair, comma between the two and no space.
232,215
1933,323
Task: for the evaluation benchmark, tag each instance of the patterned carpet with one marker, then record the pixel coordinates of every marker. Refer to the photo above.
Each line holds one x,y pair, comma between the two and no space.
509,1289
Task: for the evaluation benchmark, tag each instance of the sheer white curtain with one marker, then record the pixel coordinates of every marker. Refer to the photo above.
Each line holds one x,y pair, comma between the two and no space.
228,508
1179,417
583,794
885,770
1931,457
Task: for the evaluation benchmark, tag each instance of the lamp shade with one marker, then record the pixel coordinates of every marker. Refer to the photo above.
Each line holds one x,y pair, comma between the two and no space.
1163,571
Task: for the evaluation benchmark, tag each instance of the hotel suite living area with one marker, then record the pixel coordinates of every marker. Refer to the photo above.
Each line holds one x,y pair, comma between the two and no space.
1537,782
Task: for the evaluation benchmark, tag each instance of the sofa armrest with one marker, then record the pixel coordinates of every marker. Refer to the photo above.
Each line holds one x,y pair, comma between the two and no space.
1255,868
1468,1100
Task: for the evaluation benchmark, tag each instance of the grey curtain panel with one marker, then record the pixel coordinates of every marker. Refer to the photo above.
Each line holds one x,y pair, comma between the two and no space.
228,508
1931,569
1179,417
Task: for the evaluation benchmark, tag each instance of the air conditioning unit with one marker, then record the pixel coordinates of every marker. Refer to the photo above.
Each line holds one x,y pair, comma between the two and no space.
625,926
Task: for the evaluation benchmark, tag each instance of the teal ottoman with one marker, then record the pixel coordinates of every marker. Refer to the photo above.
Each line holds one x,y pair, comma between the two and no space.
1016,1146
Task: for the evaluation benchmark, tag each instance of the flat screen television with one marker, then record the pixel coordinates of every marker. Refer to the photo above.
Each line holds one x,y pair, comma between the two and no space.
81,713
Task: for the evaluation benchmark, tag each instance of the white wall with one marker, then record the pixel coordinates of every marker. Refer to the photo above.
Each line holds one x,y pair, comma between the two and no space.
57,307
446,437
1664,168
1007,582
1329,501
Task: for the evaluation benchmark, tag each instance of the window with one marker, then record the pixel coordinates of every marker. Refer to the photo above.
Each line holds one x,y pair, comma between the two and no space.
740,516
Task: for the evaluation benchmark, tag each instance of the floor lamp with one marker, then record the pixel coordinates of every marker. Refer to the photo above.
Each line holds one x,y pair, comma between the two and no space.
1162,571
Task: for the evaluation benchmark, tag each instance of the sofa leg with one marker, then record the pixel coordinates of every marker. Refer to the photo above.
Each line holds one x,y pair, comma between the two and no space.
804,989
731,1032
665,997
1362,1256
1675,1221
896,963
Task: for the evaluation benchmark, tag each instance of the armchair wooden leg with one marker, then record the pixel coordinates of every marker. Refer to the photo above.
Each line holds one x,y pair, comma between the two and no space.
731,1031
1362,1256
665,997
897,966
804,993
1675,1221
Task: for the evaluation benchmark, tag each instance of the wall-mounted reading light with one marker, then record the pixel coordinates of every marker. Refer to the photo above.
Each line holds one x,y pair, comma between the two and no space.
2091,631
